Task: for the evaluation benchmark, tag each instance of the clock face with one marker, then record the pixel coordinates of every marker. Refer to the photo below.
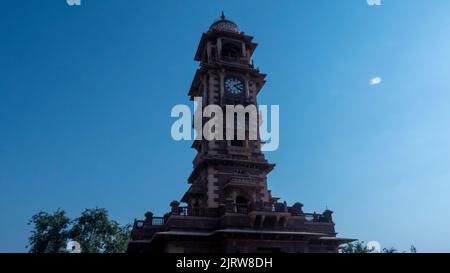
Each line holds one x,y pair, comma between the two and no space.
234,86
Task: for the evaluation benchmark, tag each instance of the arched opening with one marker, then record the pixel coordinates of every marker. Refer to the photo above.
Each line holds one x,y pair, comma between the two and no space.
241,204
230,51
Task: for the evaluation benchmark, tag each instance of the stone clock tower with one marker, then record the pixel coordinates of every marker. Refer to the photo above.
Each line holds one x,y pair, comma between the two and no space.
228,207
227,172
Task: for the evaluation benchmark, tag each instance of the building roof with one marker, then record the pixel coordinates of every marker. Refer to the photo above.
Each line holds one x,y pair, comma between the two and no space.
223,24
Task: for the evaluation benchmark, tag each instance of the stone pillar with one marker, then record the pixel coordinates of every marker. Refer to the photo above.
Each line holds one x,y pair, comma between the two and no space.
219,47
297,208
221,88
205,89
148,218
247,87
175,205
208,52
229,205
327,215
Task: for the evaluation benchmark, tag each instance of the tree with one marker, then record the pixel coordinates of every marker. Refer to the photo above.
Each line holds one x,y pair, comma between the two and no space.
97,234
360,247
120,241
93,230
49,234
356,247
389,250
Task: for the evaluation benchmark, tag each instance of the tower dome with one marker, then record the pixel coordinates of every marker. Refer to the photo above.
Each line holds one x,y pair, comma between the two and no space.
223,24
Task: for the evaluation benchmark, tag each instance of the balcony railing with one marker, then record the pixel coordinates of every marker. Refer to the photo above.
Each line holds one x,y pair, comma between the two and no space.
242,209
138,224
157,221
238,150
231,207
154,221
242,180
239,60
316,217
269,207
186,211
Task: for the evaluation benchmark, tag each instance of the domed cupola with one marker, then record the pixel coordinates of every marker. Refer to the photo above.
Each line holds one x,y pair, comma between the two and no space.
223,24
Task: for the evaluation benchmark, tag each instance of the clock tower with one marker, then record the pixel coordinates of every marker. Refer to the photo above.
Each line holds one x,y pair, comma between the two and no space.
228,207
227,172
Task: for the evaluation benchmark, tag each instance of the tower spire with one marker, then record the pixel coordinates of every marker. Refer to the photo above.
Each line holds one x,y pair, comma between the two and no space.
222,16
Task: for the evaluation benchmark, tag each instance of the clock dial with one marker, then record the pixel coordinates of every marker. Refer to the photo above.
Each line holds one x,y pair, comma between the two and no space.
234,86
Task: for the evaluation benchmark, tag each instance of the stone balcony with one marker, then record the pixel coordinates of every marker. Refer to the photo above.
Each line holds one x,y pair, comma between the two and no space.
236,60
238,150
259,216
243,181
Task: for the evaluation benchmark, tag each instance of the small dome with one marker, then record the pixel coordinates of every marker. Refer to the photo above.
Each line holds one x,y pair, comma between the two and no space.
224,24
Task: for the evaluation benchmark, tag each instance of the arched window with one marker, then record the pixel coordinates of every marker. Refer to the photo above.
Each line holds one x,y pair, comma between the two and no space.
241,200
230,51
241,204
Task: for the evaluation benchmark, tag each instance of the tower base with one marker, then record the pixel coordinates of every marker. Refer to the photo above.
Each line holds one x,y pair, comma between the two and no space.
254,232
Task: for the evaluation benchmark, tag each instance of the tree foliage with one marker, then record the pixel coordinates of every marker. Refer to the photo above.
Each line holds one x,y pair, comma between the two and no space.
50,232
389,250
360,247
356,247
93,230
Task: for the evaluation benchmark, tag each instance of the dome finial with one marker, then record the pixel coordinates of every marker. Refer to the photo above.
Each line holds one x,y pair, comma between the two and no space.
224,24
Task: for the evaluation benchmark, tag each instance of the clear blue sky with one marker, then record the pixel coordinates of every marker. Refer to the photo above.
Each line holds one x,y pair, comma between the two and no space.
86,94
